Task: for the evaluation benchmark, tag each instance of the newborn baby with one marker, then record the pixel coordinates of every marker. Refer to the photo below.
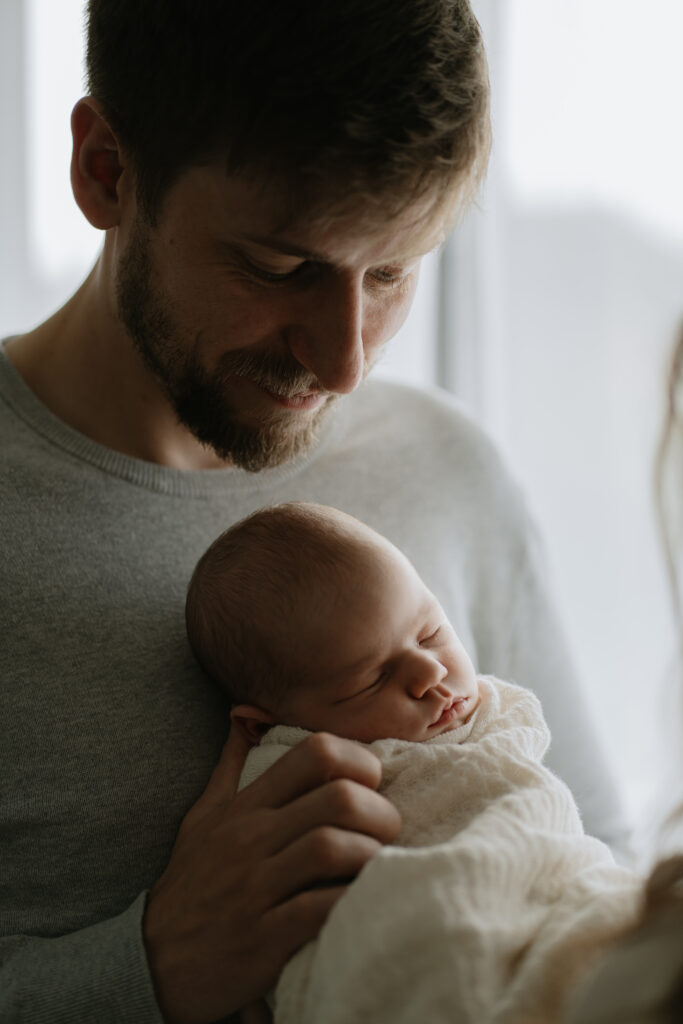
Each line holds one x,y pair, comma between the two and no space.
308,617
493,901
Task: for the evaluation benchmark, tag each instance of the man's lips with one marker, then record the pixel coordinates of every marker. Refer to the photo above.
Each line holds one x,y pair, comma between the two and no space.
300,400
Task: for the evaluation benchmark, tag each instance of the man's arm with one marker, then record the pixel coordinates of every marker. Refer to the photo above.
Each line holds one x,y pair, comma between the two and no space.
97,975
538,657
231,907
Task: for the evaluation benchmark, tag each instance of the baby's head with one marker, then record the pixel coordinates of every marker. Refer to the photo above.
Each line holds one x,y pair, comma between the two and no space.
305,616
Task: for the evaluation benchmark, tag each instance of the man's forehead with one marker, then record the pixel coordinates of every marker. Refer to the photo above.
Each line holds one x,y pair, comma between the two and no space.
339,231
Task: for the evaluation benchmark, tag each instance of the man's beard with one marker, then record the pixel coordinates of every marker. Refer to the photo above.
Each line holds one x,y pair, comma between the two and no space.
199,399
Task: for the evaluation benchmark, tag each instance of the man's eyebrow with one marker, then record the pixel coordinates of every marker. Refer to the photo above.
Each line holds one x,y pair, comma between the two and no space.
286,248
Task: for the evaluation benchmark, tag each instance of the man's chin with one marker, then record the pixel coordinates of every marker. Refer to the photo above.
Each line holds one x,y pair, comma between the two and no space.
255,447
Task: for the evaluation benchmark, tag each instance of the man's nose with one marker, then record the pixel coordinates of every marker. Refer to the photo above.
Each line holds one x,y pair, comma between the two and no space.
425,673
327,337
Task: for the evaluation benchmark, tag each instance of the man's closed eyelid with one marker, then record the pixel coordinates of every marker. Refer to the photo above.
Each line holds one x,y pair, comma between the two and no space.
391,275
266,274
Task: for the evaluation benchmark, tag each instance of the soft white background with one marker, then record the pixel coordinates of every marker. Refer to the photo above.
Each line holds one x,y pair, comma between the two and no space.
550,313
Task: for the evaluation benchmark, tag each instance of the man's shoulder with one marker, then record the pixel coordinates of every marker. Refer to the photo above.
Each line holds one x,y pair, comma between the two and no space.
381,396
426,424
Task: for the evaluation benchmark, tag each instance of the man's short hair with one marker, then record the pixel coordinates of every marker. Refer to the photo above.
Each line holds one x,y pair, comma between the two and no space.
379,100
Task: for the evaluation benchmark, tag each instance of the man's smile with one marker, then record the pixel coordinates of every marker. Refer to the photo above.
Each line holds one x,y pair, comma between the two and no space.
300,401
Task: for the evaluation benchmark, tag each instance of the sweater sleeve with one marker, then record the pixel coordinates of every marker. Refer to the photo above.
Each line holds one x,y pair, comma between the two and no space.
538,657
98,975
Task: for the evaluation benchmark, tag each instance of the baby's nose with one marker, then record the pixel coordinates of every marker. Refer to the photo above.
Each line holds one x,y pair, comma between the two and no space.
428,674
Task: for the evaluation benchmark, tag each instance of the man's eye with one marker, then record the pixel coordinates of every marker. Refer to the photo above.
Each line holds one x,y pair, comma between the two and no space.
388,275
264,274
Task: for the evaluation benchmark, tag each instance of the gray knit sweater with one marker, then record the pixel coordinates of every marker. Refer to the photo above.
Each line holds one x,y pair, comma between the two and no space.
109,729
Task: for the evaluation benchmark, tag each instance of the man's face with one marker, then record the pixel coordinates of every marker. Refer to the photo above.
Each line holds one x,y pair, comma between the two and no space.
253,329
385,660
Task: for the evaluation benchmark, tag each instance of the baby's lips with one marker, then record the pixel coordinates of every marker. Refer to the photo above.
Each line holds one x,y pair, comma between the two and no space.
456,704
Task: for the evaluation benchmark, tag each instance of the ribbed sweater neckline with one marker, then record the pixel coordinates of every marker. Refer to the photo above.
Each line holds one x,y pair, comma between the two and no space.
162,479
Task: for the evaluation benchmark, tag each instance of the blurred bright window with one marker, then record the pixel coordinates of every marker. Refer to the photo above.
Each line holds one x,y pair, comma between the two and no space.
587,280
591,107
61,240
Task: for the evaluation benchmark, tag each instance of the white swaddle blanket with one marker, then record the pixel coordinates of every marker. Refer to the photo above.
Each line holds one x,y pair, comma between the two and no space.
491,903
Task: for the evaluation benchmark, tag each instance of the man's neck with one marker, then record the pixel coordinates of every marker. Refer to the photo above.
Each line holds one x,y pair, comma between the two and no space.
82,365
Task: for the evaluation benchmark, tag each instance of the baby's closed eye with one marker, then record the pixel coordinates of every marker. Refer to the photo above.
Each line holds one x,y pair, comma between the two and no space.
431,637
367,688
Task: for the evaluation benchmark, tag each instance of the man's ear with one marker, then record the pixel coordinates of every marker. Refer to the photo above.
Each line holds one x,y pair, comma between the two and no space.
253,722
96,165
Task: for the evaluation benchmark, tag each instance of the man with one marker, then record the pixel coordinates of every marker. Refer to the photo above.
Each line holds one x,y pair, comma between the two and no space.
267,180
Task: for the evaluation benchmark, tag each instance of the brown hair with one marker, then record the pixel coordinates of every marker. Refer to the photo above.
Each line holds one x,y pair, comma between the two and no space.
245,590
383,99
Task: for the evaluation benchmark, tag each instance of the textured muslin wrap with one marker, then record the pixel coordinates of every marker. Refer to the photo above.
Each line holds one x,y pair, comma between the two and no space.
490,905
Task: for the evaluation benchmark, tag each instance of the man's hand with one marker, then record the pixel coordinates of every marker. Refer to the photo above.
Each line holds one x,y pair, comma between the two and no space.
242,890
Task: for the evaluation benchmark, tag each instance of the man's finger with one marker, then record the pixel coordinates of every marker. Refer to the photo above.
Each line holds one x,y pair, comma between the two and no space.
294,923
318,759
222,785
342,804
322,855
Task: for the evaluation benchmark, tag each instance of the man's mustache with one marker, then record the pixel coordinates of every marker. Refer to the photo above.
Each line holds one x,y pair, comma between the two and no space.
280,374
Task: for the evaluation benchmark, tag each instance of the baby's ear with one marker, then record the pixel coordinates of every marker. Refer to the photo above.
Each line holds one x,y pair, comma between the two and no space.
252,722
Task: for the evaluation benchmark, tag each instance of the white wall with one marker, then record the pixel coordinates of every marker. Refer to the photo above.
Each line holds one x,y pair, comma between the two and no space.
589,294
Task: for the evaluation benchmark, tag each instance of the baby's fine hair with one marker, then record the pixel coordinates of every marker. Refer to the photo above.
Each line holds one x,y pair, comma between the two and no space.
242,596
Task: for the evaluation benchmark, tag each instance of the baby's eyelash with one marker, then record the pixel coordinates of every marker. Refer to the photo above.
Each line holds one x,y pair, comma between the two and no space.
371,686
366,689
432,636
